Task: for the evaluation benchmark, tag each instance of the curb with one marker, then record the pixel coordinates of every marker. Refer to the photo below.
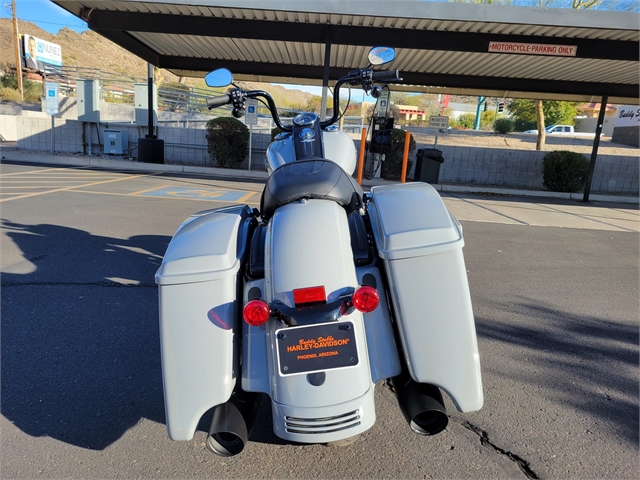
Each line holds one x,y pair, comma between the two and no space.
129,165
259,175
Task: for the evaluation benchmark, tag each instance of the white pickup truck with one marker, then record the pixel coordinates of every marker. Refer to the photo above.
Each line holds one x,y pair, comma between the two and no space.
563,130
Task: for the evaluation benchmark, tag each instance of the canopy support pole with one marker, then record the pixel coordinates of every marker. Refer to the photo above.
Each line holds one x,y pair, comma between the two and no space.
325,81
594,151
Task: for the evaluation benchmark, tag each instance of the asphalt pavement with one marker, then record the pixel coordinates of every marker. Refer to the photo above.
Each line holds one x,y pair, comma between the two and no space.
554,284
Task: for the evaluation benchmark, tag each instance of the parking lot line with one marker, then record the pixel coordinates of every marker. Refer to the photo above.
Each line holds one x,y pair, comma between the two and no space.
246,197
35,194
192,199
27,172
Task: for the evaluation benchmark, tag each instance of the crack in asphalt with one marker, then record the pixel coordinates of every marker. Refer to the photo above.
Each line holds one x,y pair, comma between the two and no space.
76,284
484,440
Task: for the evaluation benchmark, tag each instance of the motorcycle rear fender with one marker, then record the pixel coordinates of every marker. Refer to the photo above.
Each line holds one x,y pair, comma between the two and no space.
199,316
308,244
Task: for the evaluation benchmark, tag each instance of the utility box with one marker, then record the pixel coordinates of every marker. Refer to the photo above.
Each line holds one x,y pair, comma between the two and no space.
141,100
116,142
88,105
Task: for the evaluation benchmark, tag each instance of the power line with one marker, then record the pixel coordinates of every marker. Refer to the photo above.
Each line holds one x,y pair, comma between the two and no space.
50,23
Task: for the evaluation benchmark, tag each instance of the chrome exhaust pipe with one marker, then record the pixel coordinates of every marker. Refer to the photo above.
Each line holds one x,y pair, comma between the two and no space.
421,404
232,423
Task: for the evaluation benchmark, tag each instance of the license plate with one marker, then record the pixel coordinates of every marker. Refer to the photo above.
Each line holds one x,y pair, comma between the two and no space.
315,348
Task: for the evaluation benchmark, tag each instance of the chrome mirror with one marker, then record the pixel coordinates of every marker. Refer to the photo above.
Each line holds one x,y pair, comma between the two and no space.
381,55
219,78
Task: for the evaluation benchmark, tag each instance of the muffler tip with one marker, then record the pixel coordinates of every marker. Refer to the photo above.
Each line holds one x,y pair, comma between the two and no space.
421,404
429,422
225,444
228,432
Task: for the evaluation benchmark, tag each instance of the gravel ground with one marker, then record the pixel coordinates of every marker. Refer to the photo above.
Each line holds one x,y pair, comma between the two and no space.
520,141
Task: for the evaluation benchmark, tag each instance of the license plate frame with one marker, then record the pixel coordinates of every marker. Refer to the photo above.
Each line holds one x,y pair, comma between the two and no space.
316,348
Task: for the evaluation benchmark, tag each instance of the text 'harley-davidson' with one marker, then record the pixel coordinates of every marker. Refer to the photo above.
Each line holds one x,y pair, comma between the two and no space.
338,290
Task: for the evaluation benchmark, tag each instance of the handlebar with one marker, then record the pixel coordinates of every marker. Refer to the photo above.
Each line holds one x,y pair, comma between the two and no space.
386,76
364,77
214,102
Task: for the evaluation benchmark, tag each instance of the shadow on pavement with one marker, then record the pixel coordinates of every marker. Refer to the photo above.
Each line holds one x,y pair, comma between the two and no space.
592,361
81,351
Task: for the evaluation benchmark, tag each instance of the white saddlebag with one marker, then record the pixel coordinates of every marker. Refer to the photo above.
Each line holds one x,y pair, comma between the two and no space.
421,246
198,315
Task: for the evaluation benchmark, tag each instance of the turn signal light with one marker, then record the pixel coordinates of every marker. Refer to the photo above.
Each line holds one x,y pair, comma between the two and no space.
256,313
365,299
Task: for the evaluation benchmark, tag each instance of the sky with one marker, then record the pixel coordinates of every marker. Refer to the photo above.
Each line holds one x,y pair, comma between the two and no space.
48,16
51,18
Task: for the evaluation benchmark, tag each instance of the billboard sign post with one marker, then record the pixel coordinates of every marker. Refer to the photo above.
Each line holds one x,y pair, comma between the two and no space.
53,108
251,119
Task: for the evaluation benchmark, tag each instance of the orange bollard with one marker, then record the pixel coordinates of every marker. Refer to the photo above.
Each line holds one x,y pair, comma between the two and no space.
363,141
405,157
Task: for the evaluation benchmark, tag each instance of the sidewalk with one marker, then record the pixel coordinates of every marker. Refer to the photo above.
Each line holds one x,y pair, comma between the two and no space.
108,163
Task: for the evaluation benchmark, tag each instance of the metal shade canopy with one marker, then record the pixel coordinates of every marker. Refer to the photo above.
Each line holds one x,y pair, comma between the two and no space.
490,50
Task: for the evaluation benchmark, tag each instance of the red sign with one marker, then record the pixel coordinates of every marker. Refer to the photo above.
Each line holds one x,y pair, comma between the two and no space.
533,49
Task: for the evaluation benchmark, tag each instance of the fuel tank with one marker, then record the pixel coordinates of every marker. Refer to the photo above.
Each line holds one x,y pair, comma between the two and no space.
338,147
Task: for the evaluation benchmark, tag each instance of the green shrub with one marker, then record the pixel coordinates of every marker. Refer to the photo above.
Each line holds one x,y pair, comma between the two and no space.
564,171
227,140
392,165
7,93
32,90
487,119
275,131
504,126
522,125
467,120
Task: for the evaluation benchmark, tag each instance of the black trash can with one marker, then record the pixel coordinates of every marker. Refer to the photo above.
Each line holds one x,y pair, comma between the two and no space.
428,161
151,150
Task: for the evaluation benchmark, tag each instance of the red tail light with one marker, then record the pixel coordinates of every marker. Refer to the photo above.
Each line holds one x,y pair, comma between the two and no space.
256,313
307,297
366,299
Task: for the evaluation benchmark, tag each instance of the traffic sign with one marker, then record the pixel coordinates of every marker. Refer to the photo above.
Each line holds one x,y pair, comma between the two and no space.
251,116
438,122
51,101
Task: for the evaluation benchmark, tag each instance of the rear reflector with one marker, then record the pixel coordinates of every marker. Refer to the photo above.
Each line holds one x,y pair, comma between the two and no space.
366,299
256,313
307,297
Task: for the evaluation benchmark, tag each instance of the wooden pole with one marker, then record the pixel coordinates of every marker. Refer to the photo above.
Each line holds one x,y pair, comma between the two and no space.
405,157
16,39
363,142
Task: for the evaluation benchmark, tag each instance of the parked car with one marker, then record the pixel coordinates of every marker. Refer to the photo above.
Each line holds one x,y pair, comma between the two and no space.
562,130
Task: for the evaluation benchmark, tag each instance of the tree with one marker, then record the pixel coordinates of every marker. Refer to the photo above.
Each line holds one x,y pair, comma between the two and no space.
529,113
314,104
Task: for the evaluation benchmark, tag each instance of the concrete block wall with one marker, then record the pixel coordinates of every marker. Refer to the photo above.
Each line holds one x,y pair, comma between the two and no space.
8,130
523,168
493,166
35,134
188,146
616,174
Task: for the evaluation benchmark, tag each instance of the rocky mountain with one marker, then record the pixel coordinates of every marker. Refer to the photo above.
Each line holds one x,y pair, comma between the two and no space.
91,50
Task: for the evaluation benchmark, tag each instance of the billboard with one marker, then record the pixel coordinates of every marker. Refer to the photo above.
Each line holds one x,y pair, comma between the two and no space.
38,53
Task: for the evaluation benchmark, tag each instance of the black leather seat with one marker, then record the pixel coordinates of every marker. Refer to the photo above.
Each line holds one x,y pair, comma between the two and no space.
318,179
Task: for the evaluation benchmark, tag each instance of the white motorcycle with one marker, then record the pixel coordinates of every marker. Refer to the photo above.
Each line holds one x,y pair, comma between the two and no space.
316,298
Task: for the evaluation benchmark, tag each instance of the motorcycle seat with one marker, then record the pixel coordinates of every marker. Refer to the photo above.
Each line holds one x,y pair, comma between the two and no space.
314,179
